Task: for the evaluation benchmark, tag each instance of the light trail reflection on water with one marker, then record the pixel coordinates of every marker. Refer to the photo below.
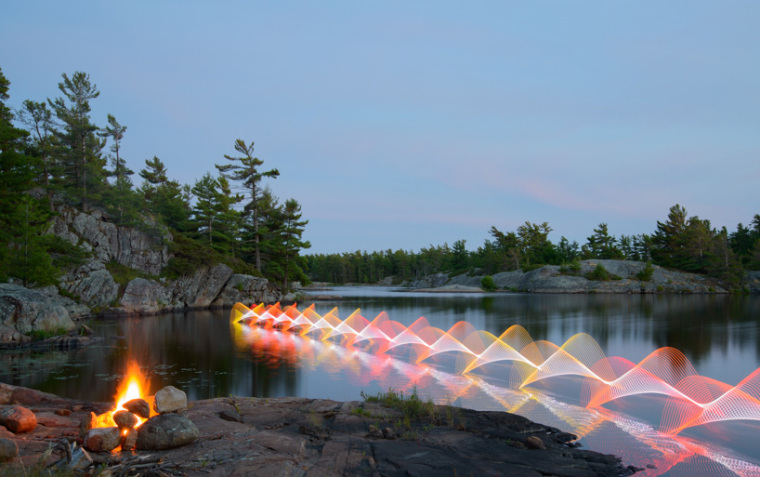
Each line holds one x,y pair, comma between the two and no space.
626,427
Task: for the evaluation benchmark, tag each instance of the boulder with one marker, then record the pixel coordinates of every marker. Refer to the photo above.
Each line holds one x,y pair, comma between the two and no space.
8,450
23,310
144,297
203,287
170,399
166,431
18,419
247,289
92,283
103,439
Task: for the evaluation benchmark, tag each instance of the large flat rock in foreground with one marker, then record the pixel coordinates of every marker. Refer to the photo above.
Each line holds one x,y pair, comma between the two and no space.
241,436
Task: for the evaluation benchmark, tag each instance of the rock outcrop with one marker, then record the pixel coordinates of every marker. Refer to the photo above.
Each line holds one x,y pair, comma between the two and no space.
24,311
91,284
128,246
202,289
247,289
623,273
298,436
143,297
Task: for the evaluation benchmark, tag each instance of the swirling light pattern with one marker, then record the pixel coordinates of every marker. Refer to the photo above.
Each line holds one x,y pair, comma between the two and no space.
691,399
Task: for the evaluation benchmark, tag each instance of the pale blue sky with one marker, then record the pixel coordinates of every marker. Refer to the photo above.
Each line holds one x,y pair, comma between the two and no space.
404,124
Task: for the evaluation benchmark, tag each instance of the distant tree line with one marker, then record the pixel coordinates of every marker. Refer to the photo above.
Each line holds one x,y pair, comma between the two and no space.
683,243
63,157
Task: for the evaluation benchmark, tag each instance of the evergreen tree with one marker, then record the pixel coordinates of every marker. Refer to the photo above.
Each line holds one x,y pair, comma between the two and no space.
121,196
206,207
534,244
667,240
36,116
165,198
78,144
229,223
602,245
292,242
245,169
23,220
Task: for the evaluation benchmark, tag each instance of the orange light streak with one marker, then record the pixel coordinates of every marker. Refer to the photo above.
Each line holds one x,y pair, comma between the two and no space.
693,400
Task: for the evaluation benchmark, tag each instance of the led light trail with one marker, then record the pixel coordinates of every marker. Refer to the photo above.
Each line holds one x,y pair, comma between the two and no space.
692,400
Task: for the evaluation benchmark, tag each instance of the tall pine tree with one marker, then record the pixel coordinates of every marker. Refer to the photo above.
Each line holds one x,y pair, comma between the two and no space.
79,147
245,169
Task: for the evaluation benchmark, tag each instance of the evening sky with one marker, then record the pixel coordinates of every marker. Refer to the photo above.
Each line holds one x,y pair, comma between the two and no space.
402,124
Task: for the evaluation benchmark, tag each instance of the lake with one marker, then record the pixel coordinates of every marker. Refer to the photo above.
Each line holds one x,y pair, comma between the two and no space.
207,355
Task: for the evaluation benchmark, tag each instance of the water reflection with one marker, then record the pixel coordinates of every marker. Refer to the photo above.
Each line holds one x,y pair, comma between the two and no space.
203,353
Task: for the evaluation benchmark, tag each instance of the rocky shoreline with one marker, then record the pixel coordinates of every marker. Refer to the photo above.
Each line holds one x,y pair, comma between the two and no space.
307,437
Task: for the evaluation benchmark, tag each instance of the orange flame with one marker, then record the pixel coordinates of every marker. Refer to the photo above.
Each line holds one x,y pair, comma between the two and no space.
135,386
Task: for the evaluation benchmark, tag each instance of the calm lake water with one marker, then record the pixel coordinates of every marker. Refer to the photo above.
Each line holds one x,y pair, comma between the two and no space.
207,355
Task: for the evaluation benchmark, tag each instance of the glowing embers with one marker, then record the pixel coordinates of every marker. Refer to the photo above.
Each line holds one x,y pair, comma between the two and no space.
693,400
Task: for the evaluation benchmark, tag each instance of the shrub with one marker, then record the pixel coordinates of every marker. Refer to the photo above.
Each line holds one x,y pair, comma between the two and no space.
487,283
572,268
600,274
646,273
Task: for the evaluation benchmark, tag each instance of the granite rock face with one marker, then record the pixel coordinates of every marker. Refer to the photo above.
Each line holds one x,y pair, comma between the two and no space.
92,283
247,289
202,289
134,248
23,311
145,297
298,436
552,279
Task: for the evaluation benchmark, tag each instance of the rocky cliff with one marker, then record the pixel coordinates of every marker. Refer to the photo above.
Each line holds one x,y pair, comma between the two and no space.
623,279
93,289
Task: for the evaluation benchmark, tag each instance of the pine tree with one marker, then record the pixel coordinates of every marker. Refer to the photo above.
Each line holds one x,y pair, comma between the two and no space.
292,237
165,198
602,245
245,169
121,197
206,207
23,220
36,116
78,144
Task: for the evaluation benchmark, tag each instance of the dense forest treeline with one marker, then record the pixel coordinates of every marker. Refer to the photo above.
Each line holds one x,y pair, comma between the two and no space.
53,154
681,242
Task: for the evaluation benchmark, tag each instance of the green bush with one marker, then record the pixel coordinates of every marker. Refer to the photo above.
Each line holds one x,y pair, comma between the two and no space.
600,274
39,335
646,273
487,283
572,268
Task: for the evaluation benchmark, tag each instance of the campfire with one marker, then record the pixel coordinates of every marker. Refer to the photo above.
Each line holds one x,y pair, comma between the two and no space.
119,429
134,388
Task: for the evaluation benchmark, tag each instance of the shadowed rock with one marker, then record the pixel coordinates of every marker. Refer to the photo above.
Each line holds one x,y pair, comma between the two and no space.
138,407
8,450
166,431
103,439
